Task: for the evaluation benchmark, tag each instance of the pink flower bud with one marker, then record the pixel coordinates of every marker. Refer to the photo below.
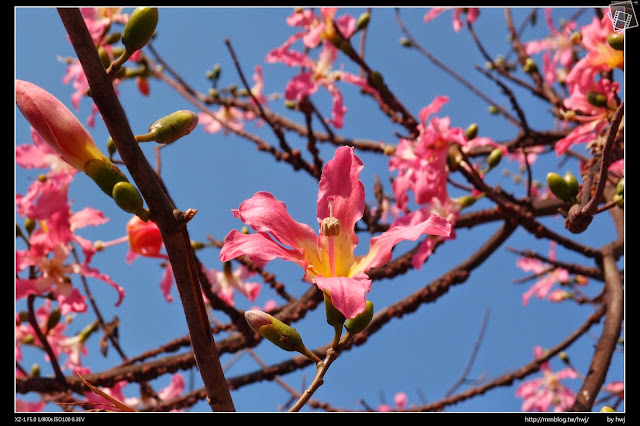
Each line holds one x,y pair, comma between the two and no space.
57,125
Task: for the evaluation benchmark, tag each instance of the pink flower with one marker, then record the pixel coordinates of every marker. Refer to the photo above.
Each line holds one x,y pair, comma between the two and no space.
472,15
327,259
73,347
318,73
166,394
400,403
223,283
558,43
594,118
600,55
548,275
29,406
540,393
49,249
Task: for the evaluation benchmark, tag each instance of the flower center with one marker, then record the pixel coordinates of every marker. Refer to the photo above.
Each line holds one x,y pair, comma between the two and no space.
330,227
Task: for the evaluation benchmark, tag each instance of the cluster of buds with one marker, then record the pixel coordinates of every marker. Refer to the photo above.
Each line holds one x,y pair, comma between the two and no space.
564,188
136,34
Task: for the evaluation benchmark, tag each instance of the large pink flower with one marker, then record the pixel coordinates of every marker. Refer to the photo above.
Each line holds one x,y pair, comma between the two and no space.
540,393
327,259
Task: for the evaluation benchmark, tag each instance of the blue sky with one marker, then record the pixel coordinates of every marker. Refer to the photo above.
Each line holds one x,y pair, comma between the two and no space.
422,354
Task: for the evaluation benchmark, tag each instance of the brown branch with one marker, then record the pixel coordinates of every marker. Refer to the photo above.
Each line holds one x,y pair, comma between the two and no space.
163,213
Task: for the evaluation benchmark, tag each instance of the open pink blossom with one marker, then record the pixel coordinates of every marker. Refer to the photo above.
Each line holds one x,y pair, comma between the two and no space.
318,73
593,119
600,55
224,283
541,393
472,15
327,259
557,43
173,390
49,250
547,274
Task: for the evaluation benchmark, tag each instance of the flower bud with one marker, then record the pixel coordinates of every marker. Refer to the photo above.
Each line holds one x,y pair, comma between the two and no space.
607,409
466,201
494,157
472,131
405,42
128,199
363,21
54,318
57,125
104,56
529,66
572,184
139,28
361,321
105,174
558,186
35,371
564,357
597,99
274,330
170,128
620,187
377,80
493,109
616,41
29,225
335,318
111,147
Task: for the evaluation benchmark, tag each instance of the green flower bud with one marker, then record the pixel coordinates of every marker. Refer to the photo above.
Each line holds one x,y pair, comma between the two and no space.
377,80
607,409
405,42
170,128
274,330
28,339
111,147
472,131
616,41
361,321
29,225
564,357
493,109
105,174
54,318
35,371
572,184
363,21
619,200
558,186
466,201
128,198
494,157
335,318
597,99
529,66
112,38
104,56
140,28
619,188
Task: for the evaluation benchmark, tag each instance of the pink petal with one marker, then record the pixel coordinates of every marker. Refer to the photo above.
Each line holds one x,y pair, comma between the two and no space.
266,214
381,246
348,295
